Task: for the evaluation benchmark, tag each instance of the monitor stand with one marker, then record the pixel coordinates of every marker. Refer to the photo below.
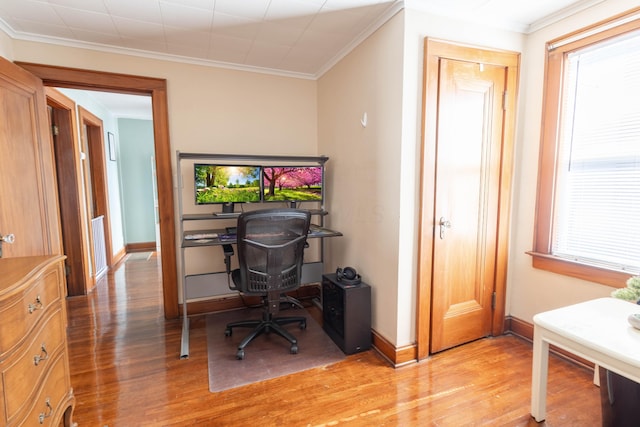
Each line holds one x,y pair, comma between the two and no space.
292,205
227,207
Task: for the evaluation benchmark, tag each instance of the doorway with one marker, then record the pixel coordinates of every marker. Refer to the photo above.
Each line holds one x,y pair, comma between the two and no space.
87,182
156,88
469,114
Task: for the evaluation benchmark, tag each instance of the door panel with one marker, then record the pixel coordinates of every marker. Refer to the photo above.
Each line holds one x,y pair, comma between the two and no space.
28,189
469,138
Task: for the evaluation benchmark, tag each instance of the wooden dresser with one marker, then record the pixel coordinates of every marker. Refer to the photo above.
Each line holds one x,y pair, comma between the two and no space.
35,387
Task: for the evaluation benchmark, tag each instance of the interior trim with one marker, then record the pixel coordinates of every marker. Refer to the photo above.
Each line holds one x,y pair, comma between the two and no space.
157,88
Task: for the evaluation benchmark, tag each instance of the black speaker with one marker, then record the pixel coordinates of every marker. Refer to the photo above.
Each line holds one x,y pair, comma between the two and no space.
346,313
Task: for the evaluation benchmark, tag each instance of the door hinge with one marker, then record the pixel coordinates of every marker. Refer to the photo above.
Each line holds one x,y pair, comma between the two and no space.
493,301
504,100
54,130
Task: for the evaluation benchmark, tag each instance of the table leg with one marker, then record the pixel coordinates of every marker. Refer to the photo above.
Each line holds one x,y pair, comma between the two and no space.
539,375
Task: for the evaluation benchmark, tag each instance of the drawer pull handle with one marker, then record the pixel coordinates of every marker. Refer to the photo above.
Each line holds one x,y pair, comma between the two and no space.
49,410
36,305
42,356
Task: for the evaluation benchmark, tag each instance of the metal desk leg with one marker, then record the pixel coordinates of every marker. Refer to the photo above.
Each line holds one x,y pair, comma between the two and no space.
184,347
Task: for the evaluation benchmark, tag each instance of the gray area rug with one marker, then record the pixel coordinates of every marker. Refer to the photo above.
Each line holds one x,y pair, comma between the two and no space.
268,355
138,256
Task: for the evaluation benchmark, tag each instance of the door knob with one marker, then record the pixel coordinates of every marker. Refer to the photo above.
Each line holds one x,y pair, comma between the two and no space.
444,224
7,238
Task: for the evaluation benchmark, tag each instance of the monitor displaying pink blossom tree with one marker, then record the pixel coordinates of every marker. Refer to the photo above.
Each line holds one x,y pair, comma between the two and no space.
292,184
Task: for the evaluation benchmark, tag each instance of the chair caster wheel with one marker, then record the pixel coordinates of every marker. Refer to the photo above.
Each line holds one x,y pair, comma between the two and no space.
303,325
227,332
294,349
240,355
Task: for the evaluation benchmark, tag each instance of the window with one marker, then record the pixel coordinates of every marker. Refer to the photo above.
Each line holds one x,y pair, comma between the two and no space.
588,208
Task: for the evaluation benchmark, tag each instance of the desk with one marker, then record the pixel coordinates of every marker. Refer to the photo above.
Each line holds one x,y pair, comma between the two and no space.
195,286
595,330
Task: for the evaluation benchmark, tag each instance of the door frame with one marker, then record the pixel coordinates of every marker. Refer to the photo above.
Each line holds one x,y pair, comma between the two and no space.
67,158
74,78
434,50
97,180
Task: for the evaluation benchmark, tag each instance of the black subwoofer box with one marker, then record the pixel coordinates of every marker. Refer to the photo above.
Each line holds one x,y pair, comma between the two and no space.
346,313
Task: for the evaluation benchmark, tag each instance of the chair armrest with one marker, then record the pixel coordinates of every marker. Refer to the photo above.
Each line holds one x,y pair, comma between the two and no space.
228,250
228,253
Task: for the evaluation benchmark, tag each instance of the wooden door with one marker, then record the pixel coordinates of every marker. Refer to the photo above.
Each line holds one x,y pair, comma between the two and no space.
28,188
466,201
468,127
69,174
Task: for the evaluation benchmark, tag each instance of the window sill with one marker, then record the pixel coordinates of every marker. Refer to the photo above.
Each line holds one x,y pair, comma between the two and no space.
616,279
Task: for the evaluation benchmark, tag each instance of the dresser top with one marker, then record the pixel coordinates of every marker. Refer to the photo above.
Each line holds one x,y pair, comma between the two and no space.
16,271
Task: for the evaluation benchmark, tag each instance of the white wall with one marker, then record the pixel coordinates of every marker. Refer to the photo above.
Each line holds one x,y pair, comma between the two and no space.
365,165
530,290
211,109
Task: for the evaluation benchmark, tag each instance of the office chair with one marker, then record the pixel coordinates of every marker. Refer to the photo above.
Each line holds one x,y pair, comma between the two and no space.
270,246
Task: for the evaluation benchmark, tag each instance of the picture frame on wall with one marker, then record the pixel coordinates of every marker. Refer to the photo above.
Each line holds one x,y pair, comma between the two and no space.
111,140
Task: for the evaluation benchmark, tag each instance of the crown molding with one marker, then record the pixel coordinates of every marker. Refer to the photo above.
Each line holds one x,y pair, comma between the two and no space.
395,7
561,14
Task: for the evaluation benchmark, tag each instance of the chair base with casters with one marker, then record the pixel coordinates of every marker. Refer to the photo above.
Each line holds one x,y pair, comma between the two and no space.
268,324
294,302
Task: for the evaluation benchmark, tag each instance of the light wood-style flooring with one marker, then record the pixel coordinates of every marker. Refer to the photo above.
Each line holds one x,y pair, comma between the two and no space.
126,371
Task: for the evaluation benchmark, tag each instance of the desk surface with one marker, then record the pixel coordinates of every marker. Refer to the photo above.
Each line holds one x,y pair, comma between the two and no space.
600,324
222,237
595,330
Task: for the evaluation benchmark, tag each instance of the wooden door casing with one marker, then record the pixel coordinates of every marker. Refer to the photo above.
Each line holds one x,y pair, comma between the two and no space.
95,181
435,52
157,88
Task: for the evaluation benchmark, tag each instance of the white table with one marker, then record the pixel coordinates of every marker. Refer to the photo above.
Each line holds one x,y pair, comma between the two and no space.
595,330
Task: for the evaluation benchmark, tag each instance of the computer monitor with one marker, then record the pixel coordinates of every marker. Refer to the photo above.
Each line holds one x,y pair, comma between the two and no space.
292,183
227,184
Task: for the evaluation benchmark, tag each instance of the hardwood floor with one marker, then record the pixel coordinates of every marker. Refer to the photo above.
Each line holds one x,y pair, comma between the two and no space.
126,371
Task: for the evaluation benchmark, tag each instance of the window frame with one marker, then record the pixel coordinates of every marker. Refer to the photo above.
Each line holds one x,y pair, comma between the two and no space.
557,51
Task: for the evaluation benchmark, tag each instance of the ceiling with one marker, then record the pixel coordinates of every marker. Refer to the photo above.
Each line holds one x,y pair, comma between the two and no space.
301,38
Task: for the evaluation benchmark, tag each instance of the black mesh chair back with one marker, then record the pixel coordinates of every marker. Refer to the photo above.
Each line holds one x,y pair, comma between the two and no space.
270,249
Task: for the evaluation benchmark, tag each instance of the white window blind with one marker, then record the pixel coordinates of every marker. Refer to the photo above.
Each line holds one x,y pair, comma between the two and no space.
597,202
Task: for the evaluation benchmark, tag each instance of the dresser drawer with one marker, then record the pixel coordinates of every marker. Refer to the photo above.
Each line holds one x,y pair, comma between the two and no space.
21,312
45,409
23,372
